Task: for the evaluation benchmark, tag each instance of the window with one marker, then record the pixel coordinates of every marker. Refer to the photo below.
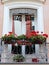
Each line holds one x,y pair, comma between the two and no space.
32,18
29,49
33,27
33,23
18,17
29,17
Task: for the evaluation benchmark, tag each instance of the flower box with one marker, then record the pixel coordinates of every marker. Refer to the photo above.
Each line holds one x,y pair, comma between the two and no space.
33,38
36,38
9,38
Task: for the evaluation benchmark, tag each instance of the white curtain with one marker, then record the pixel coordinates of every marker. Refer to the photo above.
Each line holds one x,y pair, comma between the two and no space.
20,26
17,26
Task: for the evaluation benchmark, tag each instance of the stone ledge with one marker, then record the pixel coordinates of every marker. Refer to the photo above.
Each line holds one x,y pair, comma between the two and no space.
4,1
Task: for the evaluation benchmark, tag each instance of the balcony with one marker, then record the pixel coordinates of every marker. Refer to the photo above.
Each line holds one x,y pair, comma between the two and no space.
41,1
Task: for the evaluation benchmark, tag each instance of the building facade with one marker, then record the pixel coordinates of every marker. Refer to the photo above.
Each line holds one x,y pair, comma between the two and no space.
22,5
17,13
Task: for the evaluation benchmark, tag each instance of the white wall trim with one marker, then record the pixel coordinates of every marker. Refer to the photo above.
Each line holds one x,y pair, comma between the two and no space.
7,7
27,2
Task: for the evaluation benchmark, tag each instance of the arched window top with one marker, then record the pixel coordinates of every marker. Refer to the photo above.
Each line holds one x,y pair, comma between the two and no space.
22,11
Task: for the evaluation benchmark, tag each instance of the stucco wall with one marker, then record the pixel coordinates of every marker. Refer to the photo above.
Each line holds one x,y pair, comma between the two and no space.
1,18
46,18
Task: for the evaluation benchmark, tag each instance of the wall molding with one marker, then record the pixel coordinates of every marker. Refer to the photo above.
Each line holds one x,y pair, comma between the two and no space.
40,1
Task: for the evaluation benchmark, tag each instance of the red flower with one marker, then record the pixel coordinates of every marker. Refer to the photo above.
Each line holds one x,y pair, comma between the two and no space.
45,35
33,31
35,60
10,33
37,31
33,34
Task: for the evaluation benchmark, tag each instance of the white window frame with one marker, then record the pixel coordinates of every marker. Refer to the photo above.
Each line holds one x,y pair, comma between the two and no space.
8,6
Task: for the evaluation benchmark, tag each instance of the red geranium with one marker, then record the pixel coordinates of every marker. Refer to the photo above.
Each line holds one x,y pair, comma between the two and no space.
45,35
32,33
35,60
10,33
37,31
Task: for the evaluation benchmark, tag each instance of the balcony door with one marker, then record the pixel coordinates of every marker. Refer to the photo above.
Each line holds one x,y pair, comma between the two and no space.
23,24
19,24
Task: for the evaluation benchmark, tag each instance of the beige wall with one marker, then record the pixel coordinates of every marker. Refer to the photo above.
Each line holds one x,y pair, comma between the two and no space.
46,18
1,18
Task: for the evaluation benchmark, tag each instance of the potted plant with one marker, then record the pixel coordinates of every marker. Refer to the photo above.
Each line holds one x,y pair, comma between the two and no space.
9,38
36,38
18,58
22,37
35,60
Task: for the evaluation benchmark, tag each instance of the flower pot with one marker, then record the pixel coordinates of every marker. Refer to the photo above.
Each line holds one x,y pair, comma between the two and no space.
35,60
18,58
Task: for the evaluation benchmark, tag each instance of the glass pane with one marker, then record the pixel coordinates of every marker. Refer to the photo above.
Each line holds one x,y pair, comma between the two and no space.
18,17
27,17
33,27
18,27
32,18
